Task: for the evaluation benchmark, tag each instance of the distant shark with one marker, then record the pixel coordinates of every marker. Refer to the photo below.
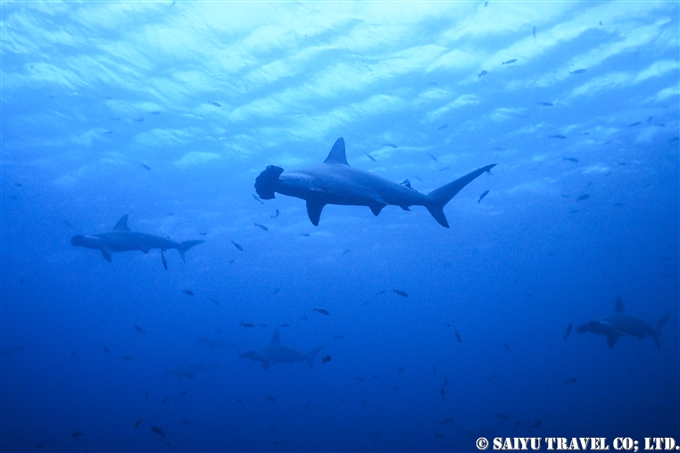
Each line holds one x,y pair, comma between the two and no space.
621,324
188,370
121,239
276,352
335,182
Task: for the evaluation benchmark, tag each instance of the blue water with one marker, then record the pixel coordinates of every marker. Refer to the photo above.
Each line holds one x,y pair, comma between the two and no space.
168,111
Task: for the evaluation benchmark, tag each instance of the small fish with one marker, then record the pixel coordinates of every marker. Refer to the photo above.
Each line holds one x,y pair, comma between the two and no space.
418,179
637,123
434,370
400,292
42,444
246,324
304,235
215,301
561,137
138,422
537,424
432,157
401,368
257,199
566,335
262,227
442,127
534,32
375,376
106,350
438,435
188,292
585,196
339,337
202,233
570,380
506,346
304,318
486,4
483,73
276,291
346,252
493,375
578,71
276,214
444,169
503,416
73,354
369,156
155,112
325,359
660,124
484,194
158,431
446,382
271,398
547,104
343,400
510,61
285,324
391,145
139,120
455,332
321,310
165,400
443,392
446,420
182,393
216,104
163,260
139,329
76,434
238,246
186,422
571,159
68,224
108,132
146,167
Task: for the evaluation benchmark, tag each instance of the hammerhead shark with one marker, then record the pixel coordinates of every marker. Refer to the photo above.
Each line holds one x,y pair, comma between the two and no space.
621,324
335,182
121,239
276,352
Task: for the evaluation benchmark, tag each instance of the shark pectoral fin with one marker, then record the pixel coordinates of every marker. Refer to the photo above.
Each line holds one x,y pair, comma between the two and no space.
145,251
106,252
314,208
265,364
611,339
376,208
405,208
122,224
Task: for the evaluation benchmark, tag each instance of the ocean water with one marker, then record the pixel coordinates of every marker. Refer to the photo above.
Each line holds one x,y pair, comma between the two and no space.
434,337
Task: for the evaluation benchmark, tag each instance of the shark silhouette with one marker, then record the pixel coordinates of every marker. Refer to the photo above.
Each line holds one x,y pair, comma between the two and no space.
121,239
335,182
620,324
276,352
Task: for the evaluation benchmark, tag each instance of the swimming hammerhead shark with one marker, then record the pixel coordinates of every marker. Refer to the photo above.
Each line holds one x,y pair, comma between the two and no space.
276,352
335,182
121,239
621,324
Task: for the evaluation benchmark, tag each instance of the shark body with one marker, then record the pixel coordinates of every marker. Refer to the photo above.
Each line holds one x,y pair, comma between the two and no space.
121,239
278,353
335,182
620,324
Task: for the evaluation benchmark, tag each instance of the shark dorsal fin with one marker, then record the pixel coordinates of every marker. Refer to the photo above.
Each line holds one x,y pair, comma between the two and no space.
619,306
407,183
275,338
122,224
337,154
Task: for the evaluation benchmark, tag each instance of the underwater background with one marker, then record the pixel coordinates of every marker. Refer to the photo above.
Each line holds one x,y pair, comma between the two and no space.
167,112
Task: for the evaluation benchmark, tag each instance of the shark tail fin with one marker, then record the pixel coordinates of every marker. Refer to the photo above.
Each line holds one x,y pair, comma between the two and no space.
186,245
441,196
265,183
313,354
659,326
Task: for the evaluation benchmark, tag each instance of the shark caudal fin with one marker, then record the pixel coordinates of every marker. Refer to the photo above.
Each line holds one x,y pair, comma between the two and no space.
439,197
659,326
312,355
265,183
186,245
